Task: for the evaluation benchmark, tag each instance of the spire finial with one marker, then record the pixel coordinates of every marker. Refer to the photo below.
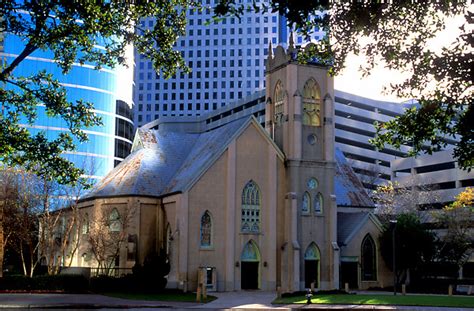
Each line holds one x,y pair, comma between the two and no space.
292,41
270,49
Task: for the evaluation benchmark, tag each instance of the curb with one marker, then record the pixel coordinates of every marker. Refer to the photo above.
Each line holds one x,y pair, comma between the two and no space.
82,306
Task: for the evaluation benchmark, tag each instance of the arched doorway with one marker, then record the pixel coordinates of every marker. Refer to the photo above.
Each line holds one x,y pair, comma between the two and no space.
311,265
250,269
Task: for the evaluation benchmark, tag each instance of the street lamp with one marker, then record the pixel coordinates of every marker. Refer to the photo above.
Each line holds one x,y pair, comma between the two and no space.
393,226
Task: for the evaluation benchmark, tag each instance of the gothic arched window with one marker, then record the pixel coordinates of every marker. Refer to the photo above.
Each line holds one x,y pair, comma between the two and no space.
278,100
318,203
85,224
206,230
251,208
368,259
306,203
114,220
311,104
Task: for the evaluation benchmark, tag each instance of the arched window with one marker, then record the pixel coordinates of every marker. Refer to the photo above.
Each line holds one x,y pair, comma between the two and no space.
85,224
114,220
318,203
306,203
311,104
251,208
169,238
368,258
278,100
206,230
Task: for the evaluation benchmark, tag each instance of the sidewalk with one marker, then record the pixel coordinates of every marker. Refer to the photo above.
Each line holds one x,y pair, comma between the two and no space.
257,300
80,301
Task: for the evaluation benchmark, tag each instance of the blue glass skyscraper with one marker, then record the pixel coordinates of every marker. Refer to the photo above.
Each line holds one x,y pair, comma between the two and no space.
110,90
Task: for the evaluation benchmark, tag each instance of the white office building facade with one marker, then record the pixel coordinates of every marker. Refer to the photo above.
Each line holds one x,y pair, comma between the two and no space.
227,61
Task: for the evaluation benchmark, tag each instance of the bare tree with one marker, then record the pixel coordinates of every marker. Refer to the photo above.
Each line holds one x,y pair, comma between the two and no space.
108,233
394,199
8,209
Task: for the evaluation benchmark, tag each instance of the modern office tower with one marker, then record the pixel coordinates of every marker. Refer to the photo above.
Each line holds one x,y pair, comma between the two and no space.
438,173
110,90
227,60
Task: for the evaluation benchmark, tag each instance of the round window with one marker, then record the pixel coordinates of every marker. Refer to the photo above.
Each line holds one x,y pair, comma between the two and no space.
312,183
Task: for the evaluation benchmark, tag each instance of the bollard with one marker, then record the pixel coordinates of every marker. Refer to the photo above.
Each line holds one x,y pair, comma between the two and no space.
312,287
469,291
450,290
346,287
404,289
278,292
204,292
198,293
308,296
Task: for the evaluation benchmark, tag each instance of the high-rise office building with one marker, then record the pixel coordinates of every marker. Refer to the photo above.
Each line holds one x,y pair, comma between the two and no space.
228,78
227,60
110,90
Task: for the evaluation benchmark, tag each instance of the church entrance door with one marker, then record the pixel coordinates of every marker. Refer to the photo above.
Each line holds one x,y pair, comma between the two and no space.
249,275
250,268
311,273
349,274
312,257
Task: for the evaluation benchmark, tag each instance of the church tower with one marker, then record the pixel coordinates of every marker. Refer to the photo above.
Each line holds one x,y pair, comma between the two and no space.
299,117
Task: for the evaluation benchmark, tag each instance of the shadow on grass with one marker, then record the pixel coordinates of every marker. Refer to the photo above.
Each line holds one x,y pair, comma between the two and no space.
410,300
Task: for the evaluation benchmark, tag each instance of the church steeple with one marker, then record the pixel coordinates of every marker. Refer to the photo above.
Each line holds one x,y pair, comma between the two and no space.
291,43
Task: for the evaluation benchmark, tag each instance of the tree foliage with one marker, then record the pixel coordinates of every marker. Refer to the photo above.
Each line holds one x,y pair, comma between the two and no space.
414,245
457,219
397,33
72,30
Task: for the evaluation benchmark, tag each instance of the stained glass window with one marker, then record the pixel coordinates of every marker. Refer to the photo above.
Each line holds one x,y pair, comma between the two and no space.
250,252
311,104
368,258
306,203
318,203
312,252
85,224
114,220
312,183
279,97
206,230
251,208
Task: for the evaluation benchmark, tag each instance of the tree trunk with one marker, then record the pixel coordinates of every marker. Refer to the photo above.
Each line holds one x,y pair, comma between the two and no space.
2,249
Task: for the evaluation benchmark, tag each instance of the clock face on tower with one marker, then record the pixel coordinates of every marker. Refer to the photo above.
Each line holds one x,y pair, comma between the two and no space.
312,183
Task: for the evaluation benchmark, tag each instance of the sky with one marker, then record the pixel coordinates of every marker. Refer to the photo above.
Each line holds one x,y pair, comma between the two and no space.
351,80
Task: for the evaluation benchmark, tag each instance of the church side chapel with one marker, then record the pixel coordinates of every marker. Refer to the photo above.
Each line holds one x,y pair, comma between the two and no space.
241,206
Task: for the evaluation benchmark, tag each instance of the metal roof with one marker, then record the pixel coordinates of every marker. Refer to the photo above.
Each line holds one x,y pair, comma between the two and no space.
348,189
165,162
348,224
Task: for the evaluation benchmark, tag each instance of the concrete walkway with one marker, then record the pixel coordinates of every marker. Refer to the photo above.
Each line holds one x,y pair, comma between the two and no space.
79,301
242,300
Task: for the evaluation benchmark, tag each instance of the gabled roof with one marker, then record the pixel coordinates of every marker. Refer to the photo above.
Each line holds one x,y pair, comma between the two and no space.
348,189
349,224
166,162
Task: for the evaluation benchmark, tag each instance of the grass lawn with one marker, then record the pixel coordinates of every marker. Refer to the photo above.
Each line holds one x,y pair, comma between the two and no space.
181,297
411,300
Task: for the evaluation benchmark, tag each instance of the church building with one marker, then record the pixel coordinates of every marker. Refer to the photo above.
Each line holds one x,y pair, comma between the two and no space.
240,206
